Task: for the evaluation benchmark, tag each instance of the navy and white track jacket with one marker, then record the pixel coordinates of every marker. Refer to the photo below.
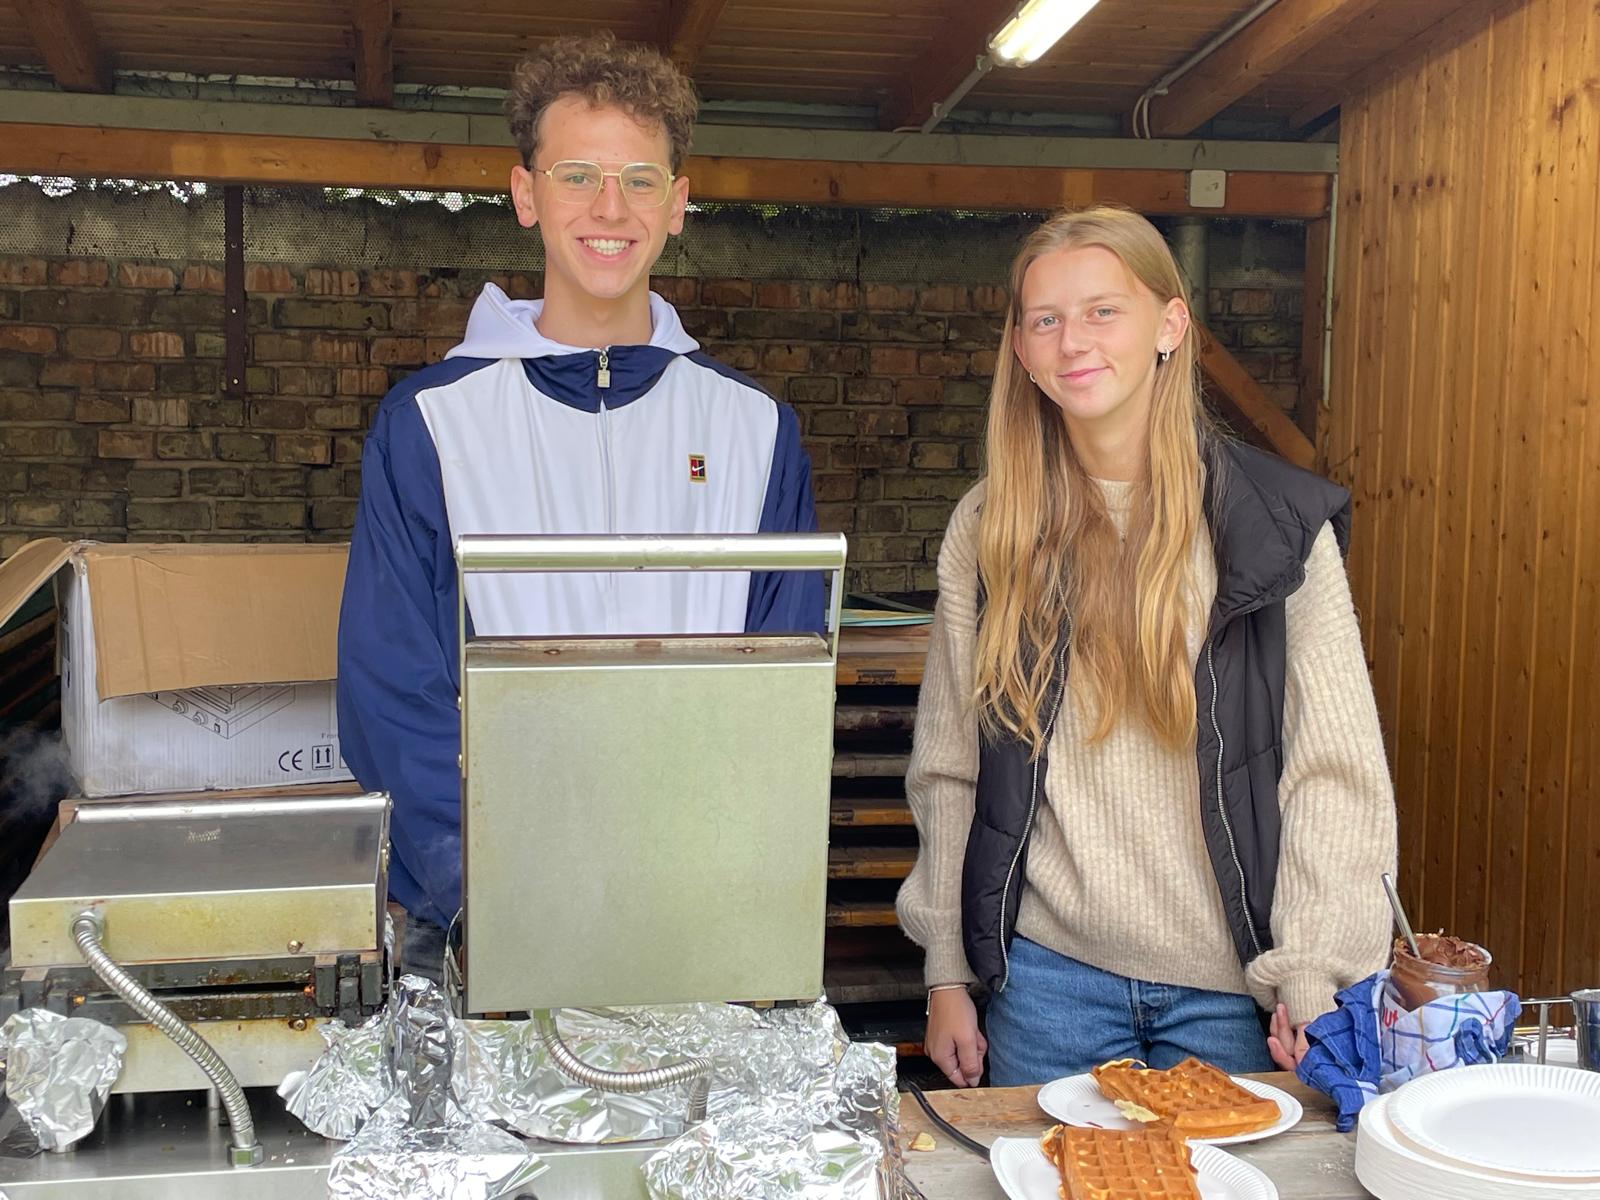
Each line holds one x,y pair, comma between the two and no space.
515,434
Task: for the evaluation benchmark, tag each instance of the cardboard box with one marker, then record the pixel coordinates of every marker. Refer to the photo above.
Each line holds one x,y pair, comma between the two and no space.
191,668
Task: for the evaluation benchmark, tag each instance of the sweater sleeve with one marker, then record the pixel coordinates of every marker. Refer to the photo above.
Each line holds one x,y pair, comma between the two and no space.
943,773
1330,922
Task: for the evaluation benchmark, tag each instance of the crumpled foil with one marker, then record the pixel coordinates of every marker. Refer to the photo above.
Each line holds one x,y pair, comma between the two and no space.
832,1136
796,1110
419,1143
349,1081
59,1071
460,1158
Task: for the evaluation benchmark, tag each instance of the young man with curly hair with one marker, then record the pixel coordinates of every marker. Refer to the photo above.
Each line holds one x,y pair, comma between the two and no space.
589,411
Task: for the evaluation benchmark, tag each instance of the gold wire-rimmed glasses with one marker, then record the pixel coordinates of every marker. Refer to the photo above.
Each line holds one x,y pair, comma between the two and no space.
642,184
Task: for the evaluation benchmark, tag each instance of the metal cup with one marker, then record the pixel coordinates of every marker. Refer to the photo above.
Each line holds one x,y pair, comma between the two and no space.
1586,1019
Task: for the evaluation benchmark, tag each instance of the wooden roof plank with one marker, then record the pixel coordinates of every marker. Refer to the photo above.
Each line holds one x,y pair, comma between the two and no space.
689,26
374,52
66,40
1271,42
948,61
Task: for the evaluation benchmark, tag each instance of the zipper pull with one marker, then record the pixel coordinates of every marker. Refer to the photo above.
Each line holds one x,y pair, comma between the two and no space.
603,376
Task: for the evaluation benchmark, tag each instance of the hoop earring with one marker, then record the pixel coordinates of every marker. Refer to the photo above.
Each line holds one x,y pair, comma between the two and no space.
1031,379
1166,354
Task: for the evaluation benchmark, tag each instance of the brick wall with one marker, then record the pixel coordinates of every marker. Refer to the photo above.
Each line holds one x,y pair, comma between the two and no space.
113,424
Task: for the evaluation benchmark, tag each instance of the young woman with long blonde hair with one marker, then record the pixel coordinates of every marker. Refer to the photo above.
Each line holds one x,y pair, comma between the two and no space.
1148,774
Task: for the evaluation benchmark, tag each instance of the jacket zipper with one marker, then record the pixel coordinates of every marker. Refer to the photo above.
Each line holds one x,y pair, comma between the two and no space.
603,381
1222,808
1033,806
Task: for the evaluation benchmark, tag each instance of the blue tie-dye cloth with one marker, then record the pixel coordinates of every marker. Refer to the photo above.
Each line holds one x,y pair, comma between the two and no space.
1370,1045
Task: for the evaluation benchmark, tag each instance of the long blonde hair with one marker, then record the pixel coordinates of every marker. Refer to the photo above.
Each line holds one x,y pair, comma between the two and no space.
1048,549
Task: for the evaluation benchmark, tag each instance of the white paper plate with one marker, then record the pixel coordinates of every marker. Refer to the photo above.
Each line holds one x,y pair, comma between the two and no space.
1024,1171
1394,1170
1077,1100
1542,1122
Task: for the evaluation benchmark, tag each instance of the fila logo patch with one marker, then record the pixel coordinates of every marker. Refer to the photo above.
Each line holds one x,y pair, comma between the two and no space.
697,468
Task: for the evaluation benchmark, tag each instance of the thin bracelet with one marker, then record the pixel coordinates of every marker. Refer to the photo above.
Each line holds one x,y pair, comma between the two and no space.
941,987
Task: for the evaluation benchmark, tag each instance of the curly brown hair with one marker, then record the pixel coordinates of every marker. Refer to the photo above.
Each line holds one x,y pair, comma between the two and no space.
637,79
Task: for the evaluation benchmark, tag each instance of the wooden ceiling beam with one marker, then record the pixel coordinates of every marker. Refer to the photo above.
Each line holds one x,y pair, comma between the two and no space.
1277,39
954,53
98,151
688,27
66,40
1438,27
373,24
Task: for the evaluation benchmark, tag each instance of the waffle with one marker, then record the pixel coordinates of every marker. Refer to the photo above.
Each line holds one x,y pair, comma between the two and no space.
1199,1099
1106,1164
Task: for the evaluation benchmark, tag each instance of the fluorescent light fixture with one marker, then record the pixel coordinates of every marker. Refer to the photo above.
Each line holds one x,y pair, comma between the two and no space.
1038,25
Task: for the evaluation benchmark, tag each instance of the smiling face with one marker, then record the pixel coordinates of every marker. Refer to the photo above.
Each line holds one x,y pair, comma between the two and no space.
1090,332
602,249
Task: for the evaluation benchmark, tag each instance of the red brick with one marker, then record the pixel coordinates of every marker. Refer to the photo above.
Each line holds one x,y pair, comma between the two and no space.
347,448
1250,302
125,377
983,363
202,277
391,283
894,360
327,281
406,352
833,295
777,294
261,278
945,298
21,270
677,290
881,422
833,487
836,518
305,381
936,456
27,339
145,275
727,293
919,391
326,347
363,381
278,347
66,373
103,410
81,272
434,349
36,406
944,363
869,391
94,343
302,448
119,443
518,286
989,299
792,359
886,297
168,411
161,344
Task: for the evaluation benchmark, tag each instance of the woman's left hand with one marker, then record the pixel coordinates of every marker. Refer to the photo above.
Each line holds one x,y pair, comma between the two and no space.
1287,1044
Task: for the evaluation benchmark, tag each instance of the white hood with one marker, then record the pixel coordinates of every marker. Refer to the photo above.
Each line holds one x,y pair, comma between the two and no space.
501,327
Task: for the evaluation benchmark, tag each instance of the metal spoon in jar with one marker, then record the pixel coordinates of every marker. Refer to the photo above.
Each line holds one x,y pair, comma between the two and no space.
1400,916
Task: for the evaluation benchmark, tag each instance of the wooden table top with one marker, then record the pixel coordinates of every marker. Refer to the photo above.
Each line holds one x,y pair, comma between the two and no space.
1310,1162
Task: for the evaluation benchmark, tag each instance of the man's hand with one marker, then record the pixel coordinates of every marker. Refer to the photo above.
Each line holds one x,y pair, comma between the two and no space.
953,1041
1287,1043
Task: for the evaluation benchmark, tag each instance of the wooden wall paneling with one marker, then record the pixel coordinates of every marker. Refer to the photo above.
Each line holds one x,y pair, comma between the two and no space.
1459,183
1489,367
1580,963
1313,331
1568,159
1396,404
1417,499
1528,357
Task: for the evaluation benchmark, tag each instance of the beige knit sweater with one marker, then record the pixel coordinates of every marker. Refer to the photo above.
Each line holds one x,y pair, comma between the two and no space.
1117,872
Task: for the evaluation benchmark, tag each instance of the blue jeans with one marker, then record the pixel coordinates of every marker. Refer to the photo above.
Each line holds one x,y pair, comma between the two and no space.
1059,1017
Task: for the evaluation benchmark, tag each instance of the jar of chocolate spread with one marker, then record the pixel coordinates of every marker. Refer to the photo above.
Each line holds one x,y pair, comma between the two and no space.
1447,967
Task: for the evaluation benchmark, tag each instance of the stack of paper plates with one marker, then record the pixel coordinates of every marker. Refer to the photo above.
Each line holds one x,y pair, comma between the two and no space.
1501,1132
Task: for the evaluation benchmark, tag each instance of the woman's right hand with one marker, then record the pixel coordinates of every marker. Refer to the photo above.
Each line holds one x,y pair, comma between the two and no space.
952,1039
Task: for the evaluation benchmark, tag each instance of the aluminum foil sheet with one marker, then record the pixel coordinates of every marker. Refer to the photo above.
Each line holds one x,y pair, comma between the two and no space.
421,1048
349,1081
59,1071
460,1158
758,1153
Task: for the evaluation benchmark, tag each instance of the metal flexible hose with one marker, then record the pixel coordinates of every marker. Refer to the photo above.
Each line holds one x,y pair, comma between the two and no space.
87,929
696,1072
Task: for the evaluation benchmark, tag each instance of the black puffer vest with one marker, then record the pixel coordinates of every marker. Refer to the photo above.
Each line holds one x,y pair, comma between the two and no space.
1264,516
